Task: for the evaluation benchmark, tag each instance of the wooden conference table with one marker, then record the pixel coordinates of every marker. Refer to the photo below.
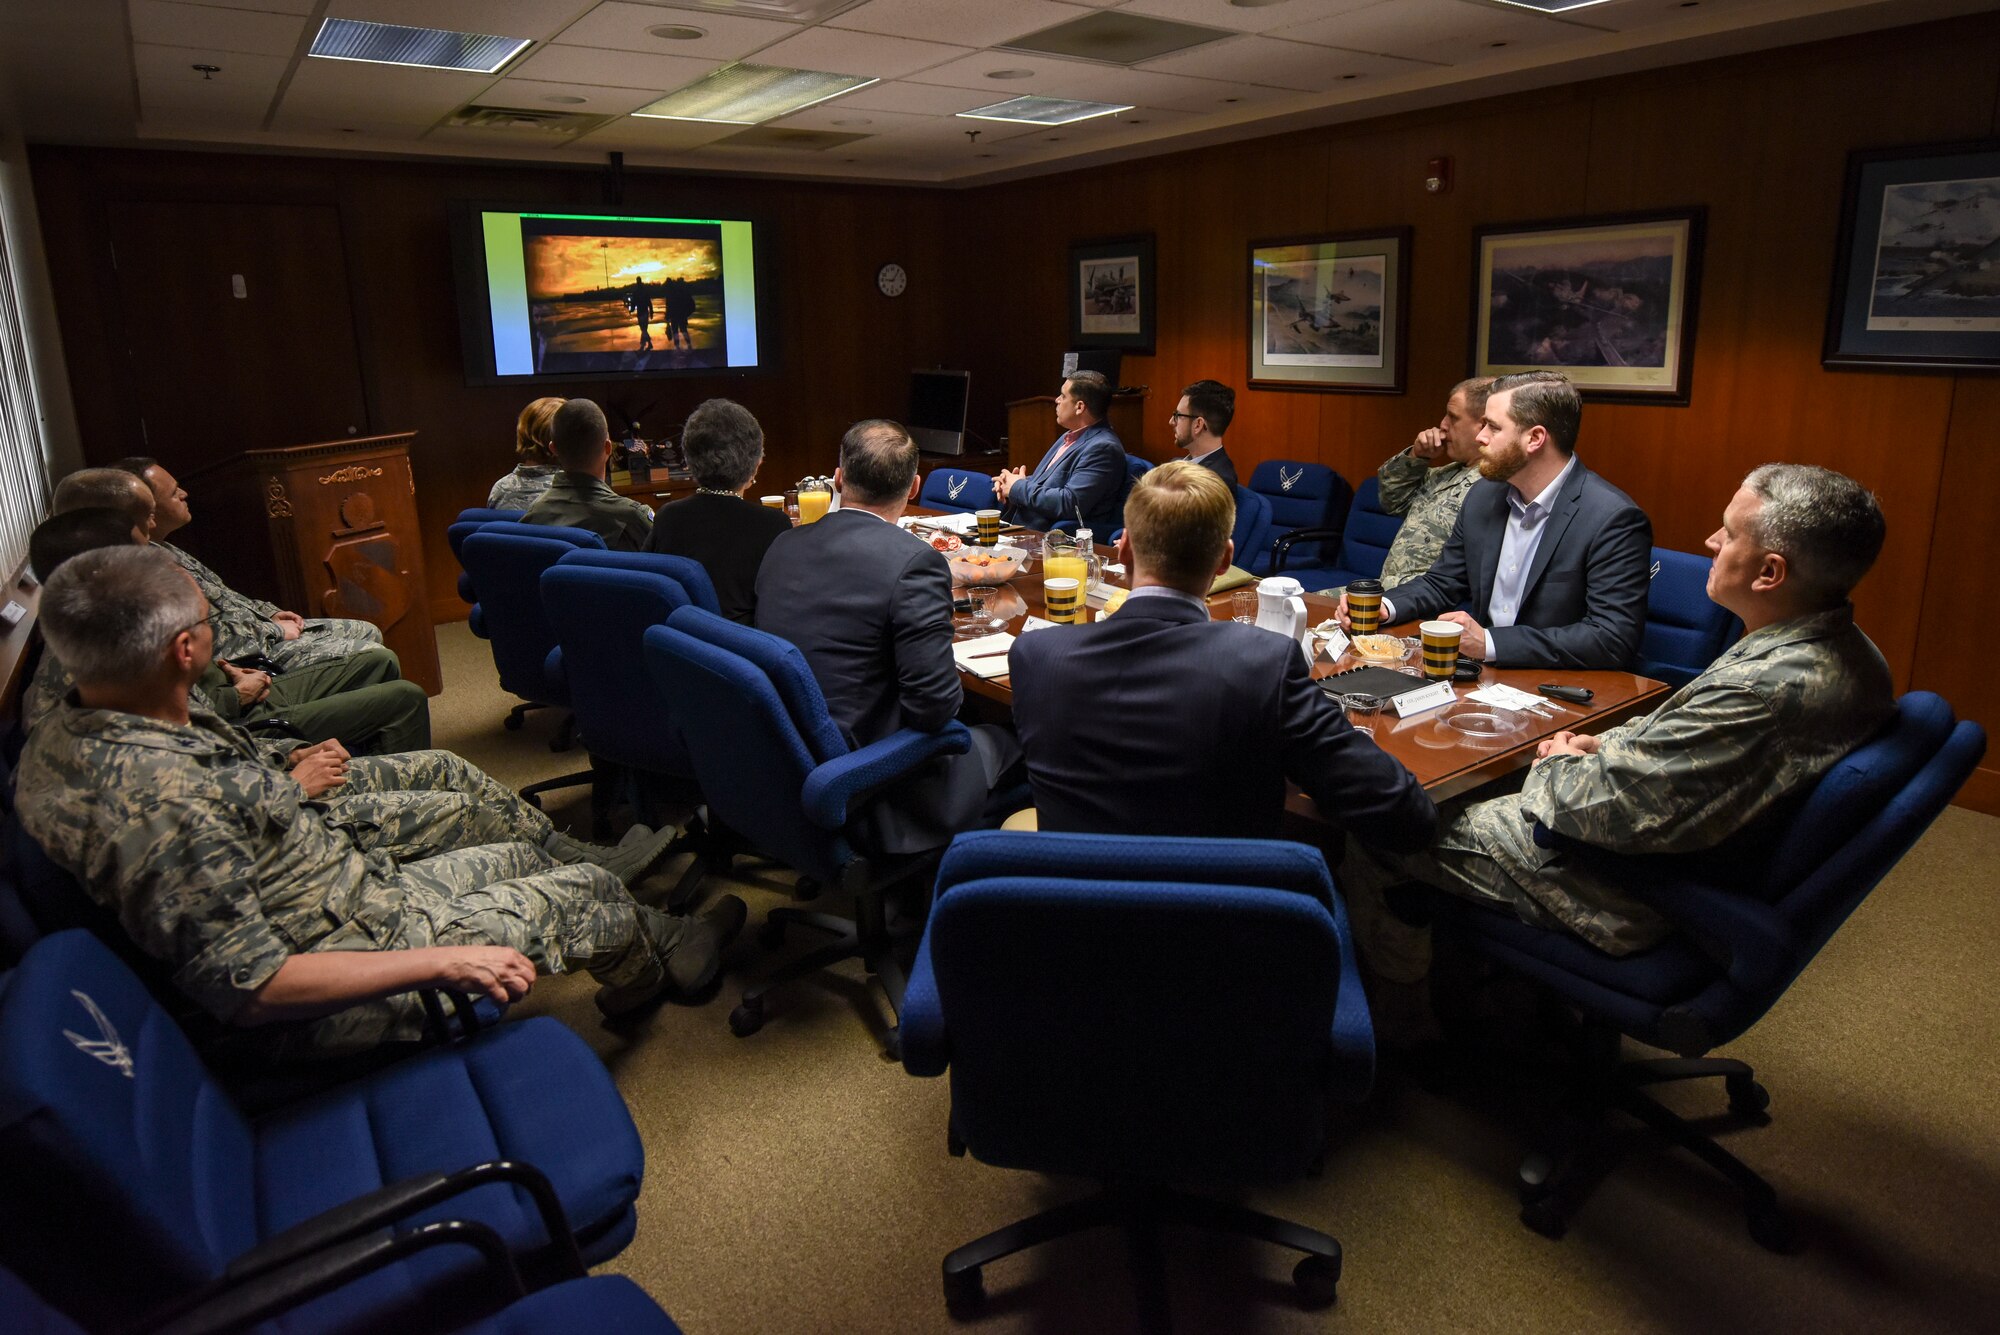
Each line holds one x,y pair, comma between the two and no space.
1446,761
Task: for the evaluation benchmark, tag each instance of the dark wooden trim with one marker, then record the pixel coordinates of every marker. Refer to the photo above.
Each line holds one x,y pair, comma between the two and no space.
17,641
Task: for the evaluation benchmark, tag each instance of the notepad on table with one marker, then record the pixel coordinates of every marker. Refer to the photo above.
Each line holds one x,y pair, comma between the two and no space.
985,656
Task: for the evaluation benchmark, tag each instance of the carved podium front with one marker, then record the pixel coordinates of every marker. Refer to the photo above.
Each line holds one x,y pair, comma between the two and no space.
338,537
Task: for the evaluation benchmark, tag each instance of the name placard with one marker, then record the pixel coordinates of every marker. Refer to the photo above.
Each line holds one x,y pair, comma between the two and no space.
1429,697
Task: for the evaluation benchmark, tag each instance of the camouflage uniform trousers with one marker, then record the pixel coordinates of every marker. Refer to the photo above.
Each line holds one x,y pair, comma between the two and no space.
326,639
360,700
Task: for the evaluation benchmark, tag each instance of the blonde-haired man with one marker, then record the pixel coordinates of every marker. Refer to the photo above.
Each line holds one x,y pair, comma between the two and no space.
1163,721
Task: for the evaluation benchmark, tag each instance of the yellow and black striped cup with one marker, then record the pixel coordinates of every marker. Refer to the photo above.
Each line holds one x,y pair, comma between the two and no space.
987,531
1440,648
1364,606
1061,598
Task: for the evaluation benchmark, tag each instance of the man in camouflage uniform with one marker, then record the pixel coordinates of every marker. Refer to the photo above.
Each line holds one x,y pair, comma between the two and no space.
359,700
579,497
1801,689
1427,482
250,627
314,902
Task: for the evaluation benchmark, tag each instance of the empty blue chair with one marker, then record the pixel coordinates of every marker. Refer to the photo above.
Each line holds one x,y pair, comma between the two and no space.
1752,916
1364,540
1146,1012
957,490
107,1114
1136,468
464,526
1309,502
1253,533
777,771
1684,631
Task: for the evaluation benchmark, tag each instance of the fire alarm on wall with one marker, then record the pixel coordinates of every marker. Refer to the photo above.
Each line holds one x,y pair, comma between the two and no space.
1437,179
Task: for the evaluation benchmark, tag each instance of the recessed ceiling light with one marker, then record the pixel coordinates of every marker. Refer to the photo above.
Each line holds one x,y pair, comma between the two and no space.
1010,74
678,32
1552,6
424,48
564,99
745,94
1043,110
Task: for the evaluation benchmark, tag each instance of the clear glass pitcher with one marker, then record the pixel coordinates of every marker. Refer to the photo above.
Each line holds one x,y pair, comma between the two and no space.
1072,557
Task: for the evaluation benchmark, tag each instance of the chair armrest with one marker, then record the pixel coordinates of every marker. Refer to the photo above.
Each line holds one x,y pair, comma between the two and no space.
236,1306
387,1205
1353,1036
835,789
1282,548
926,1046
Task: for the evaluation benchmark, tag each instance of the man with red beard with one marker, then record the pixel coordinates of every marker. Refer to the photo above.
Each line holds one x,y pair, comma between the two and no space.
1552,561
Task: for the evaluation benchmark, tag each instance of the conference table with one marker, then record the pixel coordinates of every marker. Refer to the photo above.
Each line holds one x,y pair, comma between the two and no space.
1446,760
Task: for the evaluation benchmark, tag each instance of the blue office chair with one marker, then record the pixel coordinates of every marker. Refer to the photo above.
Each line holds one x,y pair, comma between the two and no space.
1309,504
1136,468
600,604
1253,533
957,490
777,771
600,1303
1365,539
115,1141
464,526
1752,915
1145,1012
1684,632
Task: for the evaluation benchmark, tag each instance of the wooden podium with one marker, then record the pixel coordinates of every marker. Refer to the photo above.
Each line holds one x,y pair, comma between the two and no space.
338,537
1031,427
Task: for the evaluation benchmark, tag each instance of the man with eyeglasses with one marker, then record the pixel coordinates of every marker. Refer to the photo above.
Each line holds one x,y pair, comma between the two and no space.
1198,422
310,906
1083,475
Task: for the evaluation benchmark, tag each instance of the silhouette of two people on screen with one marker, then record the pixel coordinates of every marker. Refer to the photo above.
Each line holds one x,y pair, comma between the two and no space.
639,301
678,294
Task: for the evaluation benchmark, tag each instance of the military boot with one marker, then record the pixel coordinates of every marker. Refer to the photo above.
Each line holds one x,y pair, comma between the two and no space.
639,852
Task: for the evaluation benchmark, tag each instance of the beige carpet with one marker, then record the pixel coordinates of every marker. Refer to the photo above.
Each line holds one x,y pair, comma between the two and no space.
796,1181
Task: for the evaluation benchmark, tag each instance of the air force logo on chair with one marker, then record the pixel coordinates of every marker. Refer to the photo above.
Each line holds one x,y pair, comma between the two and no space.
1290,480
955,486
107,1047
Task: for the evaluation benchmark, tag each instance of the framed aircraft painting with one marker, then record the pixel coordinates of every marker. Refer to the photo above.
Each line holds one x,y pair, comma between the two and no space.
1111,294
1327,312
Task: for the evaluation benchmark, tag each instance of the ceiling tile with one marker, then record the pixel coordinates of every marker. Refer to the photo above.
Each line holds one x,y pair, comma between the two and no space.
638,134
838,115
1625,15
623,27
338,91
917,98
298,7
837,51
1276,64
1447,31
233,30
611,69
536,19
534,94
965,22
351,128
169,87
1262,18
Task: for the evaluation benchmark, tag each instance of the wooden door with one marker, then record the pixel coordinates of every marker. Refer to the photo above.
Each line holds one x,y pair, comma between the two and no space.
238,327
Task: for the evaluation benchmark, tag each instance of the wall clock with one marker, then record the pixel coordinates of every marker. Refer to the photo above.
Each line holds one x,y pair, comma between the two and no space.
890,280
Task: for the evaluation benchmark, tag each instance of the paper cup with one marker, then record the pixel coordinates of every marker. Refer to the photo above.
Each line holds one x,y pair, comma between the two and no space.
1440,648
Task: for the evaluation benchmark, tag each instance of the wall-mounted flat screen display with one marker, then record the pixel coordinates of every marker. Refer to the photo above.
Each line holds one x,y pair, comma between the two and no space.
555,295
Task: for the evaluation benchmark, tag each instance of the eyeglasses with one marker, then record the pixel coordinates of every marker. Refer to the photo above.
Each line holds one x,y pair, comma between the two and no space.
1187,417
207,620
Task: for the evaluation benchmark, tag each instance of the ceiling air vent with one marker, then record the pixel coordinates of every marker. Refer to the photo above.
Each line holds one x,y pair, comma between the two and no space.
778,136
521,118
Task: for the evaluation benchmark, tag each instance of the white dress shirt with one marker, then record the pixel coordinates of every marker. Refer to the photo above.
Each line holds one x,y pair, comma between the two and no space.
1526,522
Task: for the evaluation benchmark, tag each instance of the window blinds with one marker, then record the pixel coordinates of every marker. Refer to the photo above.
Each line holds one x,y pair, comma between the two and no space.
23,479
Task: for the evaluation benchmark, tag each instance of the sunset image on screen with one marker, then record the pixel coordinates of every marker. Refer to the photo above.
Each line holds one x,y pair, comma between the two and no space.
646,302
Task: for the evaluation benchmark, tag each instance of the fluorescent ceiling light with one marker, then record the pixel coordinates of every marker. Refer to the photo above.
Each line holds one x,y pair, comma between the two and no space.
425,48
1043,110
743,94
1552,6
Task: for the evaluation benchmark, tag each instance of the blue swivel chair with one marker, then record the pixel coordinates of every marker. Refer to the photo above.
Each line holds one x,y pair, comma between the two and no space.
464,526
600,604
1364,540
1253,533
1309,504
1684,631
600,1303
1751,916
116,1142
1136,468
957,490
777,771
1147,1012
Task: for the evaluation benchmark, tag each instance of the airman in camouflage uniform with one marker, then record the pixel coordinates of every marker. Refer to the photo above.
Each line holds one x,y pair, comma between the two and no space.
1426,493
577,497
245,628
1771,715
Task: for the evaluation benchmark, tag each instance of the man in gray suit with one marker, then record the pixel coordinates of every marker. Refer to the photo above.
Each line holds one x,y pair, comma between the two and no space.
1552,560
869,606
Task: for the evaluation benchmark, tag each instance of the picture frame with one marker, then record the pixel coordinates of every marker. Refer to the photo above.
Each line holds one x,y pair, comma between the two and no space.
1111,294
1916,271
1609,301
1328,312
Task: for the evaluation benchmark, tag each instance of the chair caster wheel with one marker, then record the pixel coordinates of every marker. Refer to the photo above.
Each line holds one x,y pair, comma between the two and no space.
1746,1096
772,934
964,1292
807,889
892,1045
1545,1216
1772,1229
746,1019
954,1145
1317,1279
512,723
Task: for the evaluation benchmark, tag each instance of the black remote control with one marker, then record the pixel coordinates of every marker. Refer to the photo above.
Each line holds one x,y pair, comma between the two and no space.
1576,695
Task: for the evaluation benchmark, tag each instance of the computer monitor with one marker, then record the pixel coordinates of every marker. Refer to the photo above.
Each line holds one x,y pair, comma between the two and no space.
1105,361
937,410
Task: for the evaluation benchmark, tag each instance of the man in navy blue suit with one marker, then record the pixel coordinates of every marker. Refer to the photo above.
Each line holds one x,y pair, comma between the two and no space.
1083,473
1198,421
1162,721
1551,560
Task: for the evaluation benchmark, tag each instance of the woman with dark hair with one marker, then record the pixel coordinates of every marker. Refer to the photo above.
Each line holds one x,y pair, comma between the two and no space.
524,486
717,526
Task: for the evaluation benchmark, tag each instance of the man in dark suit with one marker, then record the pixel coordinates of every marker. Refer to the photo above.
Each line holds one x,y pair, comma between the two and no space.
1198,422
869,606
1552,560
1162,721
1083,473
